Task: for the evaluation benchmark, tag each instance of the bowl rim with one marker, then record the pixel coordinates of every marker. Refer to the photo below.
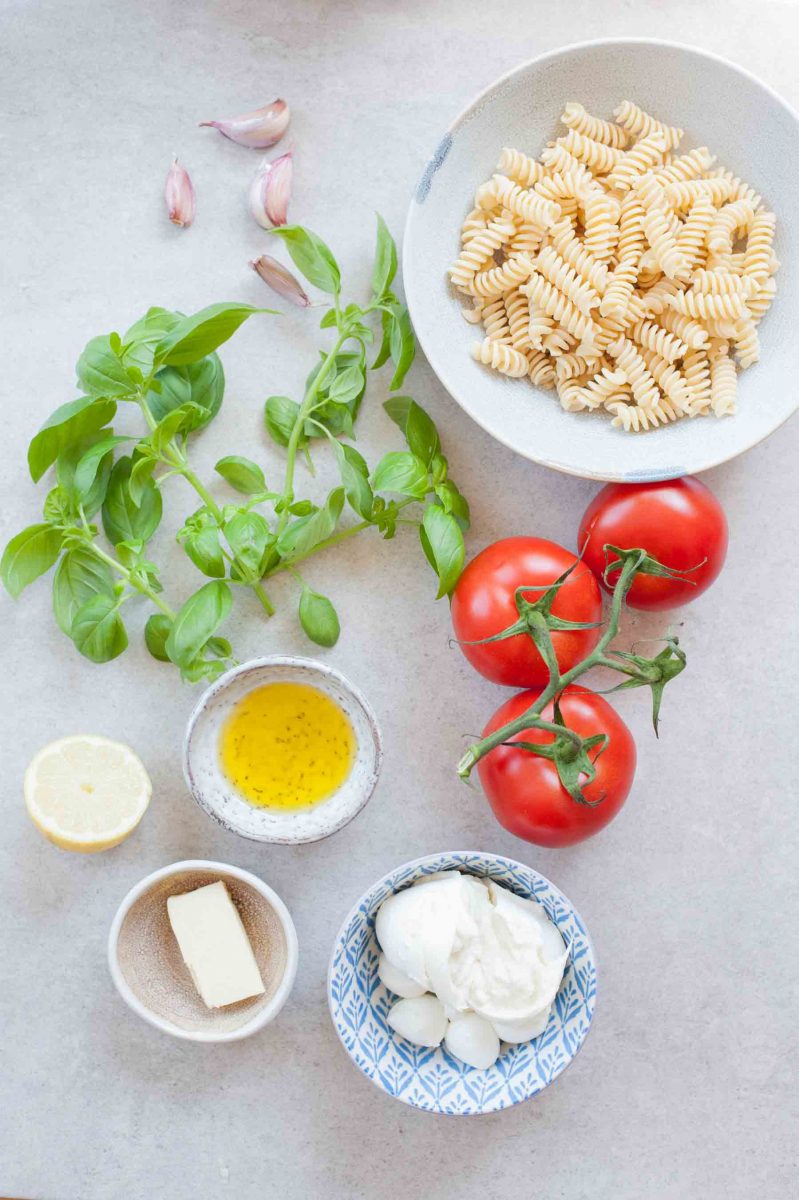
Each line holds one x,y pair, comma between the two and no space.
313,666
413,865
264,1015
651,475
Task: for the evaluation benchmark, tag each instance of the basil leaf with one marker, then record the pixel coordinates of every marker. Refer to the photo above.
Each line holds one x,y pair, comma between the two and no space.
58,507
201,543
400,471
329,320
218,646
141,472
195,336
385,267
89,463
384,353
402,345
80,574
97,629
419,431
156,631
242,474
124,520
280,417
197,621
442,542
28,555
67,464
101,371
453,502
202,668
201,383
139,342
129,553
438,469
355,477
306,532
179,420
318,618
249,537
67,425
311,256
347,385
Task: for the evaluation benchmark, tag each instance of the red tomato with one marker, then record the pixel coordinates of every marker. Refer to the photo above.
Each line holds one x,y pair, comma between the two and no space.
679,522
484,603
524,790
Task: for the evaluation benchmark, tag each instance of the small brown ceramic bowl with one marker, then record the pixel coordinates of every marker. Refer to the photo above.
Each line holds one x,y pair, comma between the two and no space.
148,968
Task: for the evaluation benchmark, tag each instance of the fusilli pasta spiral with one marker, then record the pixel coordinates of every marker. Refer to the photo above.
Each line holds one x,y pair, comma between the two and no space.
625,274
575,116
501,357
640,123
518,167
643,156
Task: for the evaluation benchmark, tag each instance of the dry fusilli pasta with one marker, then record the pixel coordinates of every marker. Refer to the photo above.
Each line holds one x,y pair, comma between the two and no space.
628,276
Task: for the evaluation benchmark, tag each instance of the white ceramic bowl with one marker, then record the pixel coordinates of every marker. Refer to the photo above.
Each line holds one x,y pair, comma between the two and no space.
148,969
751,130
431,1078
214,792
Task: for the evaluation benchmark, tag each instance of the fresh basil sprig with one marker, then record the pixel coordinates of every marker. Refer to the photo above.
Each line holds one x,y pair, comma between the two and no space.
166,364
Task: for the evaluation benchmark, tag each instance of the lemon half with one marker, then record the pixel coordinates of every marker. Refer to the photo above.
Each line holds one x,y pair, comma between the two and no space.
86,793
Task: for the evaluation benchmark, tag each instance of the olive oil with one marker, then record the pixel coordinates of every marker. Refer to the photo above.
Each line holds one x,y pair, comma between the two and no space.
287,746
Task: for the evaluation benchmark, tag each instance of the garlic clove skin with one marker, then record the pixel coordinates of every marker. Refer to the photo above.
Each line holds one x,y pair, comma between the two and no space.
270,192
179,195
280,280
259,129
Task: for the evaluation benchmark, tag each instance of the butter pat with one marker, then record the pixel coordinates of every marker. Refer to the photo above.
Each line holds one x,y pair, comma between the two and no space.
214,945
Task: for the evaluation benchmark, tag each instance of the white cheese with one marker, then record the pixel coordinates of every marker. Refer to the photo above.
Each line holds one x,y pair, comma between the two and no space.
481,950
214,945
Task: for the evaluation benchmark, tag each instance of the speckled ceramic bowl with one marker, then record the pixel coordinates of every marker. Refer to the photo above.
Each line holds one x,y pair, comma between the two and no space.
150,974
751,130
214,792
432,1079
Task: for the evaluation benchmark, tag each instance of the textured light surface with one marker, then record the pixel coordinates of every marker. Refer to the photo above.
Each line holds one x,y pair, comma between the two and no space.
686,1086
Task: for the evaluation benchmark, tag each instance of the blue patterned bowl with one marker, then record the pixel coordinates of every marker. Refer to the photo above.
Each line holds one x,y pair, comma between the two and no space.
432,1079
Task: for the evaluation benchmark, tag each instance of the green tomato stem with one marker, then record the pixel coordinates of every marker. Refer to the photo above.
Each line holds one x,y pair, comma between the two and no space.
557,682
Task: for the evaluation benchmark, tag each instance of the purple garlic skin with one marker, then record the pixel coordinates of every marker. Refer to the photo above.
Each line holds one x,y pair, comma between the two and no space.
179,195
280,280
259,130
270,192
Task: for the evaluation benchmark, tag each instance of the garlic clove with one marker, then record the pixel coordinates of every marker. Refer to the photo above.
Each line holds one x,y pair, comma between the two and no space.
280,280
270,192
258,129
179,195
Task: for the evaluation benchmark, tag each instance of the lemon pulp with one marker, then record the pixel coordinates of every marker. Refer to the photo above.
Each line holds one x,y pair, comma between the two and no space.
287,746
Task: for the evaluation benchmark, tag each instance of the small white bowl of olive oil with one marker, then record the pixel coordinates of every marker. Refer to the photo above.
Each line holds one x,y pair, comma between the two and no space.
283,750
